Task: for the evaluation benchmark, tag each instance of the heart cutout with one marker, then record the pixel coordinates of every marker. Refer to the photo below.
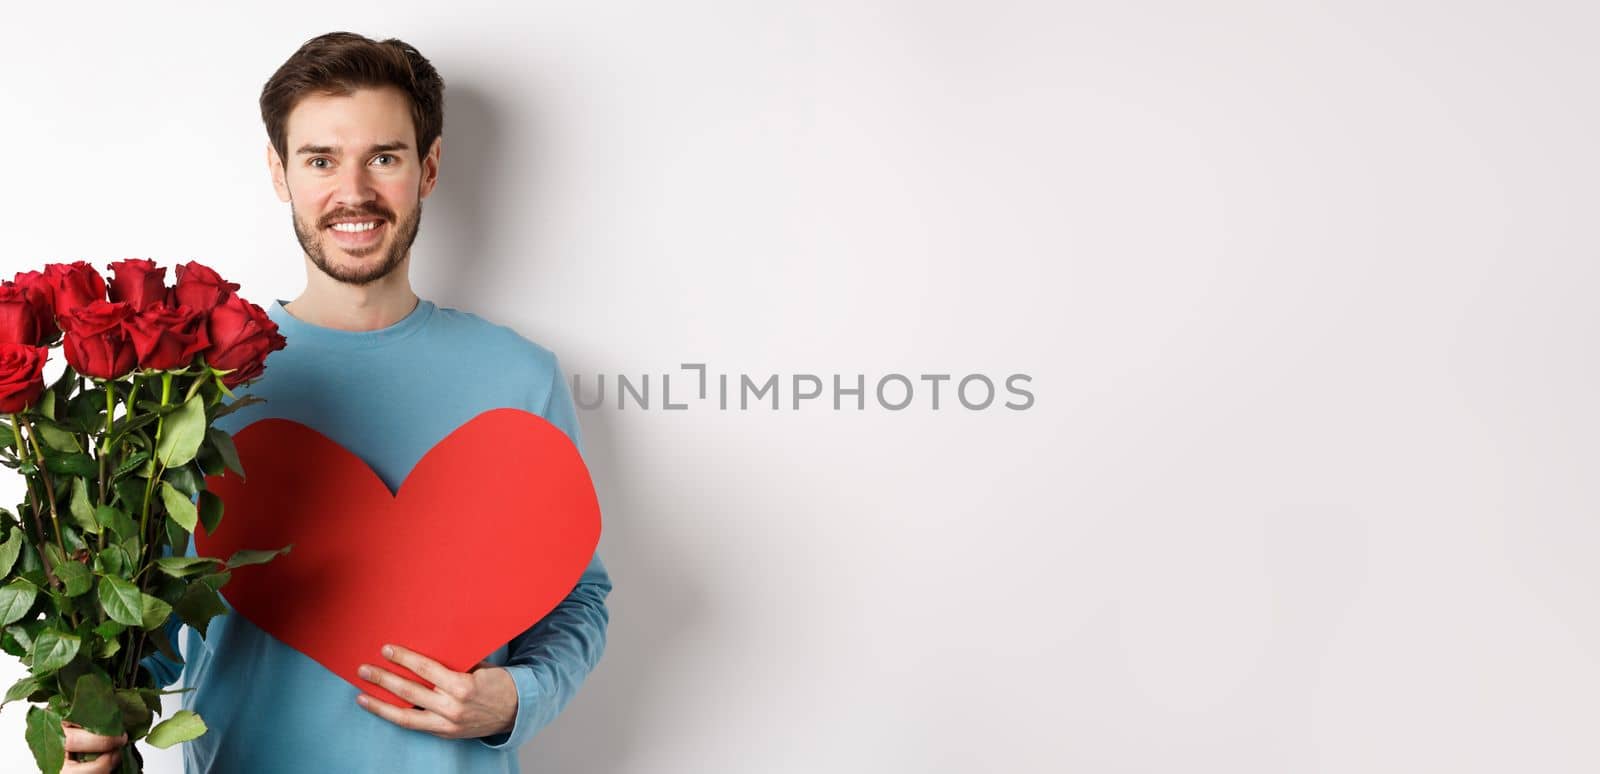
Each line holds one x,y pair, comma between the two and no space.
489,531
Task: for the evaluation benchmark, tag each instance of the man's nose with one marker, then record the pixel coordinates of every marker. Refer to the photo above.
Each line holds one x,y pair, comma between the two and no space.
353,186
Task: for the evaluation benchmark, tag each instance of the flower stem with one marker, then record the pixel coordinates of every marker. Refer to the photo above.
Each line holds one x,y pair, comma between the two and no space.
38,526
100,457
44,475
150,483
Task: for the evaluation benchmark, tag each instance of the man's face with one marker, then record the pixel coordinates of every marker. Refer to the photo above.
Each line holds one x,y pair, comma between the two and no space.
354,181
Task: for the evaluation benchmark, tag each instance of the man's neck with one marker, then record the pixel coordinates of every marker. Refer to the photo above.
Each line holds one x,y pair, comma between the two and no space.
333,304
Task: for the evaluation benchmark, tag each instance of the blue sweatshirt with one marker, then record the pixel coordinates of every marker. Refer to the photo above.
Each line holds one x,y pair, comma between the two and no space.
388,396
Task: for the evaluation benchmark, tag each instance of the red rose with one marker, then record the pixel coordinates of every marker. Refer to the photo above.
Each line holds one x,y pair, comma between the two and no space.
73,285
21,376
242,335
43,299
18,323
166,338
199,287
96,344
139,282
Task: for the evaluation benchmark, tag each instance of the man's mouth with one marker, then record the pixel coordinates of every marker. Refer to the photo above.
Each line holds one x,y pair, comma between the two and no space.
357,233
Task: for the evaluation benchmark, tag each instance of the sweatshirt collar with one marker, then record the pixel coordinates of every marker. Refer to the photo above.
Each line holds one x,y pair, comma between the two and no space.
296,330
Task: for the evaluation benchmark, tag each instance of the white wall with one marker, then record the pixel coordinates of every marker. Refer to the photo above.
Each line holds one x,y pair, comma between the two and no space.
1306,292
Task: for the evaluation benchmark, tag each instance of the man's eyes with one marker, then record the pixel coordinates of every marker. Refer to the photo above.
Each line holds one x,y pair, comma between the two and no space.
323,162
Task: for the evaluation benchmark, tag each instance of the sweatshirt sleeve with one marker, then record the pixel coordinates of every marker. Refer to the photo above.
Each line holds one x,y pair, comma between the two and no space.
549,661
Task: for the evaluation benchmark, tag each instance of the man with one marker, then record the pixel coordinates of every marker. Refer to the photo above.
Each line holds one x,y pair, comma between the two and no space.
354,146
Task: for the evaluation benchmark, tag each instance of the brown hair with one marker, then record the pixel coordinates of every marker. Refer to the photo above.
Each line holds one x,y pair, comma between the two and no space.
341,62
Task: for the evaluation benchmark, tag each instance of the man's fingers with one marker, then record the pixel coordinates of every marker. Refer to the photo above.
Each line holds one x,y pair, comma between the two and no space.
105,764
410,690
79,740
443,677
415,719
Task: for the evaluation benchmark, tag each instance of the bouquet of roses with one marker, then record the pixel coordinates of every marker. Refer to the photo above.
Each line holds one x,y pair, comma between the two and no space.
114,454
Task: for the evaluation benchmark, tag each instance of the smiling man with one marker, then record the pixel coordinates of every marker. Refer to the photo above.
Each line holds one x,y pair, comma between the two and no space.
354,143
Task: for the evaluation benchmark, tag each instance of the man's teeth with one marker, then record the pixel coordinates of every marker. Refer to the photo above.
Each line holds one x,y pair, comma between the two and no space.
368,226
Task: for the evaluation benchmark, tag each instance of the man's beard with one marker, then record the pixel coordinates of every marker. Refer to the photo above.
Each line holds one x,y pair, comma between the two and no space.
398,249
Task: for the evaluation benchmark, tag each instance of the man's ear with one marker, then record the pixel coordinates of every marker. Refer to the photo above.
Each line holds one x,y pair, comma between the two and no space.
275,167
430,167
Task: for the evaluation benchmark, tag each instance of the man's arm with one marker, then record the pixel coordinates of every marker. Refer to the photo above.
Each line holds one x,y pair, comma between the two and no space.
549,661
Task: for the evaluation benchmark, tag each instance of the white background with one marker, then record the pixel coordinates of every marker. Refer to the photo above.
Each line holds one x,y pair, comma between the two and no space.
1306,291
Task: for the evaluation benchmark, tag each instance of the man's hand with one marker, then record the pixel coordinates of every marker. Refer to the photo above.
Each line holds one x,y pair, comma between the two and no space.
81,741
461,705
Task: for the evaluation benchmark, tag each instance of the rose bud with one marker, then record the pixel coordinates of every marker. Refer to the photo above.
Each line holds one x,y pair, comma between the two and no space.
199,287
42,297
242,335
21,376
97,344
74,284
18,323
167,338
139,282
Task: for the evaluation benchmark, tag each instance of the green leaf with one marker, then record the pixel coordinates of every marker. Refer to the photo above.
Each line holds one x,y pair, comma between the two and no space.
94,707
155,612
250,556
57,558
131,492
179,506
47,739
199,604
136,716
185,478
47,402
132,546
183,726
210,511
114,560
224,444
121,600
75,464
177,537
81,510
75,578
184,566
21,689
181,433
9,644
16,599
116,520
26,633
216,580
154,406
56,437
126,425
88,408
52,650
109,629
247,400
10,550
208,461
132,463
67,680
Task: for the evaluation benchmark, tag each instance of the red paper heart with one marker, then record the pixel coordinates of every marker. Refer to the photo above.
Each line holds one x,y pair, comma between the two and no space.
490,530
